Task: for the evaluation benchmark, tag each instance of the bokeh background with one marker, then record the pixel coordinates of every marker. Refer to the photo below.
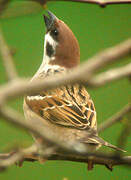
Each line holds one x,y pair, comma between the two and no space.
96,29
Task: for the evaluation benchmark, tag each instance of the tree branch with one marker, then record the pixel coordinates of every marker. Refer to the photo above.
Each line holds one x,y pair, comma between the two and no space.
83,74
32,6
3,5
31,154
125,133
102,3
96,158
16,156
115,118
73,151
7,59
111,75
45,132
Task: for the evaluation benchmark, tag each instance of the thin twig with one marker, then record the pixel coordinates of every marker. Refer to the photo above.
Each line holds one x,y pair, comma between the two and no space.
97,158
3,5
15,156
111,75
7,59
102,3
115,118
33,7
45,132
31,154
70,151
126,131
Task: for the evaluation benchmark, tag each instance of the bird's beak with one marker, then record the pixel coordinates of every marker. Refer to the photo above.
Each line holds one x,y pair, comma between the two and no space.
49,21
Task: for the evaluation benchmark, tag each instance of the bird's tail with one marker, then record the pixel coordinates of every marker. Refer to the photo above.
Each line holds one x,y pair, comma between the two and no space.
113,147
99,140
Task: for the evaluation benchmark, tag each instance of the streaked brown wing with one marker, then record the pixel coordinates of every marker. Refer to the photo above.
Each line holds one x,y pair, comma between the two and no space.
69,106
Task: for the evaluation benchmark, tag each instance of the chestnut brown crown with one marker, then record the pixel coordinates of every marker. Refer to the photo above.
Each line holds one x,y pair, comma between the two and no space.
61,46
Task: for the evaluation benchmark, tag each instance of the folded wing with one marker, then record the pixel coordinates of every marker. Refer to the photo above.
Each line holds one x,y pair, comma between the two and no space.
68,106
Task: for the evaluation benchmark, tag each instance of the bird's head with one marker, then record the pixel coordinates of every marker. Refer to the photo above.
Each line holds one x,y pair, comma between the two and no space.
61,46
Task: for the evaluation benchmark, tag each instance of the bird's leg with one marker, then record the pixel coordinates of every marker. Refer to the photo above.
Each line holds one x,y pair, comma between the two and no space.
90,165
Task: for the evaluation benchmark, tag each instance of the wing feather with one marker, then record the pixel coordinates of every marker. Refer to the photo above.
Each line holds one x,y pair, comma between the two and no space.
69,106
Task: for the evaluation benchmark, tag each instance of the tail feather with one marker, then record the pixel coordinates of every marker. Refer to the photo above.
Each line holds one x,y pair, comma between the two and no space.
97,139
113,147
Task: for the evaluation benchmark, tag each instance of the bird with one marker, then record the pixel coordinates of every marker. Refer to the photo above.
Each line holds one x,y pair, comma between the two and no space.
69,109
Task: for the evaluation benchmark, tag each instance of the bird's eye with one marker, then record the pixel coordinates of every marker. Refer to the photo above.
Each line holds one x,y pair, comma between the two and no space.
55,32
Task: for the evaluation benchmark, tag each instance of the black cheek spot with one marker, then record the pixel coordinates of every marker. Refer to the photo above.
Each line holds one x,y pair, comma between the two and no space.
49,49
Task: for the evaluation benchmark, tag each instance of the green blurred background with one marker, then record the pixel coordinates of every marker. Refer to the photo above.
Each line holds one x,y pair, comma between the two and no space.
96,29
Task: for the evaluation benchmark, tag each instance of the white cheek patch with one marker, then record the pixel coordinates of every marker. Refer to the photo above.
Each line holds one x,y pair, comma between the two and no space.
53,43
46,58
